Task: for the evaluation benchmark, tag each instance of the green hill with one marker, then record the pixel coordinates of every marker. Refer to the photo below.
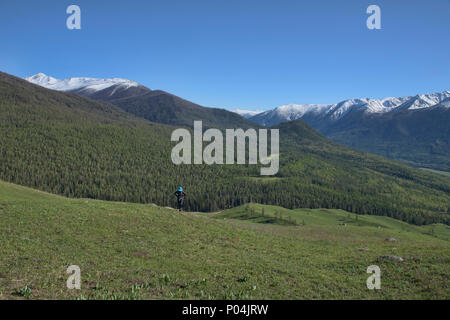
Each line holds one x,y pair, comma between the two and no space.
162,107
73,146
137,251
327,218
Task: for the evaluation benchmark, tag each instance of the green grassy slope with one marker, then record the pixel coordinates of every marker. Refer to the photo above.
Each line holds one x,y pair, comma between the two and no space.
329,218
136,251
73,146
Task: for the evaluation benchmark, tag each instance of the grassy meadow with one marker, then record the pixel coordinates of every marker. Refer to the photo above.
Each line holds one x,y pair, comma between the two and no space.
142,251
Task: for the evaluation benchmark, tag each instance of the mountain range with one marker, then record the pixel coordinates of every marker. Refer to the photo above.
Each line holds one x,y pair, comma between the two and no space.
153,105
64,143
334,112
411,129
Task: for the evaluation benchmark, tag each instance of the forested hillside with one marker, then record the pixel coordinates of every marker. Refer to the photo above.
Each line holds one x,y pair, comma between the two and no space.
418,137
74,146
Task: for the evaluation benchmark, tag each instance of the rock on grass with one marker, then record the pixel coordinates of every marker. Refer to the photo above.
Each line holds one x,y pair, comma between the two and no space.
393,258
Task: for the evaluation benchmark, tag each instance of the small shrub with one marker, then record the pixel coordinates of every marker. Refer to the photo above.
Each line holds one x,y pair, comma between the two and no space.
24,292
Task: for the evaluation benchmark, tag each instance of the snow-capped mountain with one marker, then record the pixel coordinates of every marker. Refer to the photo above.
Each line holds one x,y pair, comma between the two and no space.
335,112
71,84
103,89
444,104
246,113
288,112
421,101
154,105
412,129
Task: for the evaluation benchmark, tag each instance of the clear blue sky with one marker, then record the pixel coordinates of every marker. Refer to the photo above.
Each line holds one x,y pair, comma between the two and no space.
252,54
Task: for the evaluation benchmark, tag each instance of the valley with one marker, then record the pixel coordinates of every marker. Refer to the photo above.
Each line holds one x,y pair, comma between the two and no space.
73,146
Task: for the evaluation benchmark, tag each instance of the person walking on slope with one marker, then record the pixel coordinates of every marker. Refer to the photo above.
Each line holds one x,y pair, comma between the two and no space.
180,197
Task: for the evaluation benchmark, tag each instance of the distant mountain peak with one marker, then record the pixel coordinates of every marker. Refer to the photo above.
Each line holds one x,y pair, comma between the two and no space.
247,113
80,83
41,79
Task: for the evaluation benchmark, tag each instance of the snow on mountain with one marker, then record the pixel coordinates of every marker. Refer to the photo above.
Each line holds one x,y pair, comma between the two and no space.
309,112
339,110
445,103
81,84
393,102
288,112
293,111
246,113
335,112
421,101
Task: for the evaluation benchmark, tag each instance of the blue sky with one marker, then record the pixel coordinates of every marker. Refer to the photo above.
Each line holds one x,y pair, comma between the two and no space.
236,53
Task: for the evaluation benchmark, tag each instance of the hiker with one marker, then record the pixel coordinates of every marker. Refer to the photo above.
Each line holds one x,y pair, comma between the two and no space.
180,197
